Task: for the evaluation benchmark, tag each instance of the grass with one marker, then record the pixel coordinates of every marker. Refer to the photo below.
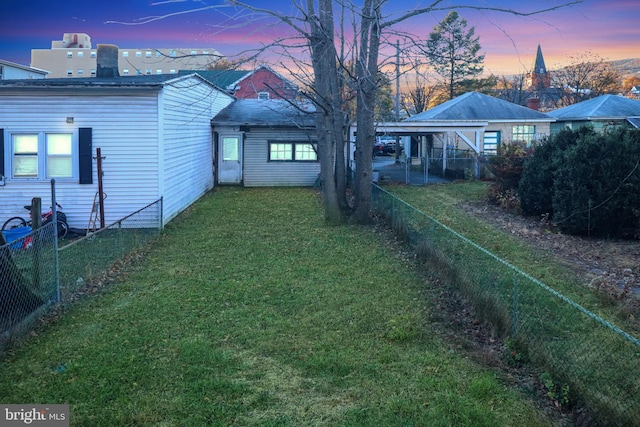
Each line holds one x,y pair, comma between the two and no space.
596,365
249,311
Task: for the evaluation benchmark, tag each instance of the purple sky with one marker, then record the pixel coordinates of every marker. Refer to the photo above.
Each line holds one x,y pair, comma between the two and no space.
607,28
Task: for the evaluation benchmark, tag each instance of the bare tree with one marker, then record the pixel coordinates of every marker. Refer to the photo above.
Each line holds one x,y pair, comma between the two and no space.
358,39
587,76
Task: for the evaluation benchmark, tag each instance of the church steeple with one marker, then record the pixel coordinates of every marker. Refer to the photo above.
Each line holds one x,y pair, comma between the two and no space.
539,67
538,78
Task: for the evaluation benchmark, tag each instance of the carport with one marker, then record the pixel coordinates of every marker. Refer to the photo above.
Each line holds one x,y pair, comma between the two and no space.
431,143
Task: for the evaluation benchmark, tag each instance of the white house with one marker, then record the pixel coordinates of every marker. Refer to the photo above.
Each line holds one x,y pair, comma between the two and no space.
12,71
154,133
266,143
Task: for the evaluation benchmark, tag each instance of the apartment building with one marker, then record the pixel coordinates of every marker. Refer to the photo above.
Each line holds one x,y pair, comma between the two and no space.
73,56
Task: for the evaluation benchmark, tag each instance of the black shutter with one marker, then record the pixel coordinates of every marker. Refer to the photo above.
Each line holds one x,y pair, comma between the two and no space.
1,152
85,159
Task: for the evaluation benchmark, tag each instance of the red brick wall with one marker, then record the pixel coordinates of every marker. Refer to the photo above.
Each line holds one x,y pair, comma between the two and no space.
263,80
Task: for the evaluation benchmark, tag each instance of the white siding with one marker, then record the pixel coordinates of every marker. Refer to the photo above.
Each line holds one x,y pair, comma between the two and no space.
187,158
259,171
124,127
154,143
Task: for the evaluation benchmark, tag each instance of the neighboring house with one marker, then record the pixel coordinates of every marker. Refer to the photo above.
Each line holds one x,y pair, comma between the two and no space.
496,122
12,71
600,112
261,83
266,143
154,133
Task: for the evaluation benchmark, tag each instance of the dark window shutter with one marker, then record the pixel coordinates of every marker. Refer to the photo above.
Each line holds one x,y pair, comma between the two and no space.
1,152
85,159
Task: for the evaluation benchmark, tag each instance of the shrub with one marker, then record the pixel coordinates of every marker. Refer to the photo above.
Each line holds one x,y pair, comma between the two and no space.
596,189
535,187
506,168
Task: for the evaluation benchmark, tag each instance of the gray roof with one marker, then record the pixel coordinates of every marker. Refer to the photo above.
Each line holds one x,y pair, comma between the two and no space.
23,67
266,113
148,81
477,106
602,107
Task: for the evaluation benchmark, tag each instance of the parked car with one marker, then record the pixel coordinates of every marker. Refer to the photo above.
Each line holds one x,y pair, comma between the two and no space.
385,145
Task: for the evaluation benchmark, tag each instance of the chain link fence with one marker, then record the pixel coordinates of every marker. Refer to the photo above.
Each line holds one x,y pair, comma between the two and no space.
36,273
586,361
28,278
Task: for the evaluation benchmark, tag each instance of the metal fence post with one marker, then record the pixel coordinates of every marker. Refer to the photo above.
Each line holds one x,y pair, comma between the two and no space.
56,256
514,307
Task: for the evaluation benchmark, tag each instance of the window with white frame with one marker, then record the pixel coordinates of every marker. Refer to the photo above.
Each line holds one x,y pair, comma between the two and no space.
69,54
281,151
93,54
42,155
125,54
147,54
80,54
523,133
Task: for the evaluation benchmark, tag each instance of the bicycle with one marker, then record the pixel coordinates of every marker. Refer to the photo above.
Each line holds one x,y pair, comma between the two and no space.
47,217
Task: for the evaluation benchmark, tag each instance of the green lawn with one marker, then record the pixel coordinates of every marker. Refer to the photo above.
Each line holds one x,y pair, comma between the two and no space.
250,311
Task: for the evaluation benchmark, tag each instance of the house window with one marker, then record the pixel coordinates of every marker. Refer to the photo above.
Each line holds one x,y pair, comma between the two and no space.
158,71
491,142
42,155
263,95
147,71
125,54
523,133
80,71
147,54
59,155
93,54
138,54
125,71
93,72
69,54
80,54
69,72
25,156
292,152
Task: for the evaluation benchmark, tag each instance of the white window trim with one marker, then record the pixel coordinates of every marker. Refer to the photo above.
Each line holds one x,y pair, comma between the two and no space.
42,156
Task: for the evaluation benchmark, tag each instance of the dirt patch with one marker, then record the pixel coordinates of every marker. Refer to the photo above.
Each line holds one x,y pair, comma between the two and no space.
610,267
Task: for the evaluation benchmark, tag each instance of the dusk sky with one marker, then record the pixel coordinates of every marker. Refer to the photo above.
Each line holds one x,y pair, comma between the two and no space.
607,28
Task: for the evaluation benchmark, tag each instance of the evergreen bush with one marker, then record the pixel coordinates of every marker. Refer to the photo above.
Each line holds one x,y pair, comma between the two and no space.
535,187
596,187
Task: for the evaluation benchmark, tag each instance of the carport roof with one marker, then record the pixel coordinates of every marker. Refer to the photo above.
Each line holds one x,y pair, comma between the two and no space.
477,106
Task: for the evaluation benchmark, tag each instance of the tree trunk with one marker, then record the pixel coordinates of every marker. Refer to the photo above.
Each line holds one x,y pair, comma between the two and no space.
328,102
366,73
